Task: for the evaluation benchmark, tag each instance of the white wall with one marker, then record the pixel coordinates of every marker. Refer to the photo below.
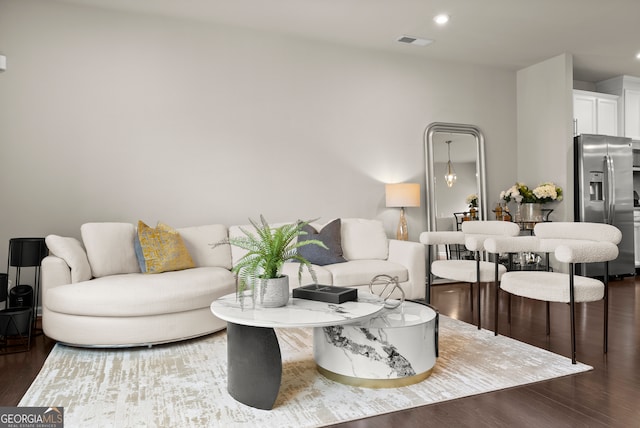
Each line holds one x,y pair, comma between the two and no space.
109,116
545,132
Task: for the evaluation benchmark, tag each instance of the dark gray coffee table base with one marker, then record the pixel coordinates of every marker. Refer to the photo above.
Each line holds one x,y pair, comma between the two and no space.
254,365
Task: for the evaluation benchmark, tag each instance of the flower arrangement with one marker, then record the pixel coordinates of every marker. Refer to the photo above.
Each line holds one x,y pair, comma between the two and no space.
516,192
548,192
521,193
472,200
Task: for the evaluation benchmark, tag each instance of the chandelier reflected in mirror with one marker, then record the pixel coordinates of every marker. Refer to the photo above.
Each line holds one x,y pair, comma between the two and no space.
450,174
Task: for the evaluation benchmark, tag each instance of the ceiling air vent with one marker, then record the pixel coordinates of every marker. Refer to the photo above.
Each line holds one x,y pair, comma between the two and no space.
415,41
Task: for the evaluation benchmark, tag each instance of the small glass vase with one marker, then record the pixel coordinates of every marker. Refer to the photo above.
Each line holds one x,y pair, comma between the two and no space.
517,217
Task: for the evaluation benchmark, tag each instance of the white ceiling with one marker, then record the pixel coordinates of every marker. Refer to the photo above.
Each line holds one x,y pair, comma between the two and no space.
602,35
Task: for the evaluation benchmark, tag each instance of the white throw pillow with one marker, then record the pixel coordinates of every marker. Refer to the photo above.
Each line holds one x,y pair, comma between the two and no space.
110,248
364,239
70,250
199,240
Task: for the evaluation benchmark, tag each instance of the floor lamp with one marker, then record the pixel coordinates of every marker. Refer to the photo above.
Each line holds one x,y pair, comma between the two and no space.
402,195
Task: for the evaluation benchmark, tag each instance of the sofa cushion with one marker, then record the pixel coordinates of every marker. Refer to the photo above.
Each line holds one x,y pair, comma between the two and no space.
71,251
110,248
364,239
330,236
136,294
466,270
163,249
200,240
361,272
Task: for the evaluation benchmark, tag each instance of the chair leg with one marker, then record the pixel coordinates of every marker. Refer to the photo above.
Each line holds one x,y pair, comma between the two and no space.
427,290
548,268
497,298
478,298
478,282
548,319
573,314
606,306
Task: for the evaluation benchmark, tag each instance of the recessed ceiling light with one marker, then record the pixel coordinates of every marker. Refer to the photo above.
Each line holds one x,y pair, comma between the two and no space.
638,55
441,19
414,40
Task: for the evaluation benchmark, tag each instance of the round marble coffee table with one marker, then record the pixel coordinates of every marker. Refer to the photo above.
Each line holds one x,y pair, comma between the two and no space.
253,352
396,347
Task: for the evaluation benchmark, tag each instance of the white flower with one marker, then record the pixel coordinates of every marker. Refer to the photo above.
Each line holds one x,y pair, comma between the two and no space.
547,192
512,193
472,200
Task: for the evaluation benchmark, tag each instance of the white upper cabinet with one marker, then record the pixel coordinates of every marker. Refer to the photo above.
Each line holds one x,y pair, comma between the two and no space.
595,113
628,88
608,116
584,114
632,113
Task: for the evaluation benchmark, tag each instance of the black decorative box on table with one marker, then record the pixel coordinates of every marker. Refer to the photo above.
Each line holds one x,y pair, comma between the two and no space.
326,293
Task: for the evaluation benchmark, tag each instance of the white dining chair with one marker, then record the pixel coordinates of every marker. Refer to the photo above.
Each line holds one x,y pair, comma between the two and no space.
571,243
472,236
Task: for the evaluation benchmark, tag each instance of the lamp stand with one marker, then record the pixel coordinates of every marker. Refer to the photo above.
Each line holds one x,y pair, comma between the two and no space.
402,233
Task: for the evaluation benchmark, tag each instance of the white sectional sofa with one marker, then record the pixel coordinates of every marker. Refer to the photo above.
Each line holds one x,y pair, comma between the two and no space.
95,294
99,297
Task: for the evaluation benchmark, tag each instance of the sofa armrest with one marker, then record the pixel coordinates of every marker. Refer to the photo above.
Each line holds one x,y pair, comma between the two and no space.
412,256
54,271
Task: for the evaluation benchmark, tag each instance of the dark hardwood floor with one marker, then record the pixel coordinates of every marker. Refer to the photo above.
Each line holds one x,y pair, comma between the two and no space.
17,370
608,396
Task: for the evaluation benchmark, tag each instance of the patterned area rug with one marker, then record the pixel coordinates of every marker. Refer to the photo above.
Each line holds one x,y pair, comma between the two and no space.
184,384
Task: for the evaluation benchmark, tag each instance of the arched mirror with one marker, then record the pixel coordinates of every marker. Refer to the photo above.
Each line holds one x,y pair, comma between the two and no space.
456,150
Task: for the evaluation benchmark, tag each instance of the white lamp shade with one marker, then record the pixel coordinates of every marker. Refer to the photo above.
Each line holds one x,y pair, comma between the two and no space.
402,195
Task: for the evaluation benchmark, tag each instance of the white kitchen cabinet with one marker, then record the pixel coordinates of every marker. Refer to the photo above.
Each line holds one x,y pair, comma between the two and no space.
595,113
628,88
632,113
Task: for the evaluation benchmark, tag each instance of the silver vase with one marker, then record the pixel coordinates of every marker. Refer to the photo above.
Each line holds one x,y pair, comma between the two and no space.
531,212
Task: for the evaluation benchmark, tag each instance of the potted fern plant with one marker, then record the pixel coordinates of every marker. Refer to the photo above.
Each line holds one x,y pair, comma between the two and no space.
260,269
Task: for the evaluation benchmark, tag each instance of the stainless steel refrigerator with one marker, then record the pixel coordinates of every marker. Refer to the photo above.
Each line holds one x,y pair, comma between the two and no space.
604,194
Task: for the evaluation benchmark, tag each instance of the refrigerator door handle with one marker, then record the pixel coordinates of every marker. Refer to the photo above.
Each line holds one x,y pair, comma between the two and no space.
611,190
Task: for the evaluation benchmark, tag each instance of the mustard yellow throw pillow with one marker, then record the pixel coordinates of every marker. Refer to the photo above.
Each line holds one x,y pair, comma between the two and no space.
163,249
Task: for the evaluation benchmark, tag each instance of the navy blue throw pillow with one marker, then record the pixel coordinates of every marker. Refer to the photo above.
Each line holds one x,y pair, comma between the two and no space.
331,237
